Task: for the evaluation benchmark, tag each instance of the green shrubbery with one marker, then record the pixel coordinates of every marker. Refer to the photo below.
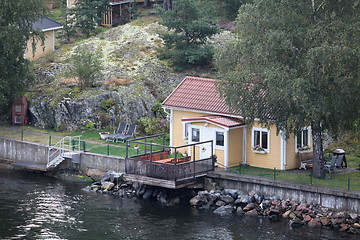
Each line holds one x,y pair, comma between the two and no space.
151,126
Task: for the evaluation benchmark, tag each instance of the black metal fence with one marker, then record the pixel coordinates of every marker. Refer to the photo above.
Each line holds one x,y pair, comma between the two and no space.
174,164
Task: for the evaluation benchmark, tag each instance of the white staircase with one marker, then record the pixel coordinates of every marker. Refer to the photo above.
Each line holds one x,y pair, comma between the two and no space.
65,148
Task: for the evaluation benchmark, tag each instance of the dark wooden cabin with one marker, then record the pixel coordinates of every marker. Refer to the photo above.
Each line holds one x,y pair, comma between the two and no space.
118,13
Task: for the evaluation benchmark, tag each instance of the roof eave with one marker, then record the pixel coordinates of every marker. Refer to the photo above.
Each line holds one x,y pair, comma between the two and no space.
52,29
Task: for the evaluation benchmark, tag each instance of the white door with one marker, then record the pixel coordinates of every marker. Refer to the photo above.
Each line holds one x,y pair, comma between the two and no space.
205,149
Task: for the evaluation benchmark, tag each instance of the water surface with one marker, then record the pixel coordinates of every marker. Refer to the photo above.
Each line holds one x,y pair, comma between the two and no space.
33,206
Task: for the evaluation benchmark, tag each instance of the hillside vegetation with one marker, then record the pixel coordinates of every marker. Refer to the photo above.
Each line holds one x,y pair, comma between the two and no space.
133,78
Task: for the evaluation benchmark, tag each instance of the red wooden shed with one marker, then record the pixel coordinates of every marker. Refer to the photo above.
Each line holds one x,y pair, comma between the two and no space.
20,111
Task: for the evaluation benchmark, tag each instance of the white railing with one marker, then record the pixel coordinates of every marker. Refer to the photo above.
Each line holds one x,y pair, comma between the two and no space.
66,144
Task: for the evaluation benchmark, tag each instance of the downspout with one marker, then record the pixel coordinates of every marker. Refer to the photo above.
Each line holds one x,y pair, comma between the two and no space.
244,145
282,150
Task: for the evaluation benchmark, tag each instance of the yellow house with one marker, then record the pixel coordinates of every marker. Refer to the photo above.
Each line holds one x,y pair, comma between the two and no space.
70,3
48,27
198,113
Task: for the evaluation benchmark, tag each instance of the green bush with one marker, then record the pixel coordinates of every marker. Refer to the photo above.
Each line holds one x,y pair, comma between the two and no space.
151,126
107,104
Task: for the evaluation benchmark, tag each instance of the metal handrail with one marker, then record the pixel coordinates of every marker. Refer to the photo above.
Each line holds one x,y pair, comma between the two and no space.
65,144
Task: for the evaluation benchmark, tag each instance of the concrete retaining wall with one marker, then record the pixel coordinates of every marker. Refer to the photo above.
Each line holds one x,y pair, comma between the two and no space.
22,151
335,198
102,162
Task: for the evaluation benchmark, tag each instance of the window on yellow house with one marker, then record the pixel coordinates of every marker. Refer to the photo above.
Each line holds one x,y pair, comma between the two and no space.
260,139
302,139
219,138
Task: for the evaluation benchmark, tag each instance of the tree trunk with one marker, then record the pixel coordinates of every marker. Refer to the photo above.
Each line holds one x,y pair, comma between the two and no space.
318,155
168,4
146,3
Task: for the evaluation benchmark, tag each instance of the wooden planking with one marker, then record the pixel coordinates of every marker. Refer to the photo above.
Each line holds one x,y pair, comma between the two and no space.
150,181
164,183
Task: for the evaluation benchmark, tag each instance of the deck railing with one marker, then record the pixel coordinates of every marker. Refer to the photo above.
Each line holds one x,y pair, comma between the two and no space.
193,166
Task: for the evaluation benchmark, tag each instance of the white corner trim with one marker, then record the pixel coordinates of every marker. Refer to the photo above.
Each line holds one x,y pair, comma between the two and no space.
53,40
171,127
226,149
244,161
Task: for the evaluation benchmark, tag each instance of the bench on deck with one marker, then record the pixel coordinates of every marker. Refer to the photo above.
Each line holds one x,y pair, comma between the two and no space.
163,157
306,158
172,160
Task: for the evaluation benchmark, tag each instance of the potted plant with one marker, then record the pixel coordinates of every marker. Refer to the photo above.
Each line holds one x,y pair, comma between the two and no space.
258,149
104,135
304,148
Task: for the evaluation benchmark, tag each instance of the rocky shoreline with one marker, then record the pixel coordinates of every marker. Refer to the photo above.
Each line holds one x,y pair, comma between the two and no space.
232,201
114,184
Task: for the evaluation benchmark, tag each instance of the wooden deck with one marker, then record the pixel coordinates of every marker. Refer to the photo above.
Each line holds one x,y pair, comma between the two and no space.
190,182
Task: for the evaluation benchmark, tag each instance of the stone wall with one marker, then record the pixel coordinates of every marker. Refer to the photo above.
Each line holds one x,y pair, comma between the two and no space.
335,198
22,151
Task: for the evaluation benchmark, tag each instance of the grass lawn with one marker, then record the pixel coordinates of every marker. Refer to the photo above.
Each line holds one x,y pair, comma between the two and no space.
92,143
337,180
90,140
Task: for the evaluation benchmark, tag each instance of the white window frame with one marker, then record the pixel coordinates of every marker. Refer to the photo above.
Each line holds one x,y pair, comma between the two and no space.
225,142
308,140
186,130
253,139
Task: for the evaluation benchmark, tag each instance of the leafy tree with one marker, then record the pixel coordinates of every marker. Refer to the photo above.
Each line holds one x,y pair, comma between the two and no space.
87,65
189,28
232,7
296,62
16,19
87,14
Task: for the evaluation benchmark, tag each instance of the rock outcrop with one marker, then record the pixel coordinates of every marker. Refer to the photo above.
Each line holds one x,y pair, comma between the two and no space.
70,113
133,78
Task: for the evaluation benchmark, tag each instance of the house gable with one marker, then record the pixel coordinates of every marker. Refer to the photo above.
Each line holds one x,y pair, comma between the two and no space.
48,26
198,94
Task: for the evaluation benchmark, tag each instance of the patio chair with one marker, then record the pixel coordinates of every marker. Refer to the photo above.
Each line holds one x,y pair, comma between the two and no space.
339,161
330,166
130,133
122,129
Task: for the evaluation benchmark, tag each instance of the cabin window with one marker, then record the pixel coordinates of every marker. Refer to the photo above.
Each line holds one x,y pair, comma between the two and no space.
195,134
260,140
17,119
220,139
18,109
302,140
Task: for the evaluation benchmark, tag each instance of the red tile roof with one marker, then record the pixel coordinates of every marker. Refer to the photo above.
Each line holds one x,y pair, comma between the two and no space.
198,94
220,120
